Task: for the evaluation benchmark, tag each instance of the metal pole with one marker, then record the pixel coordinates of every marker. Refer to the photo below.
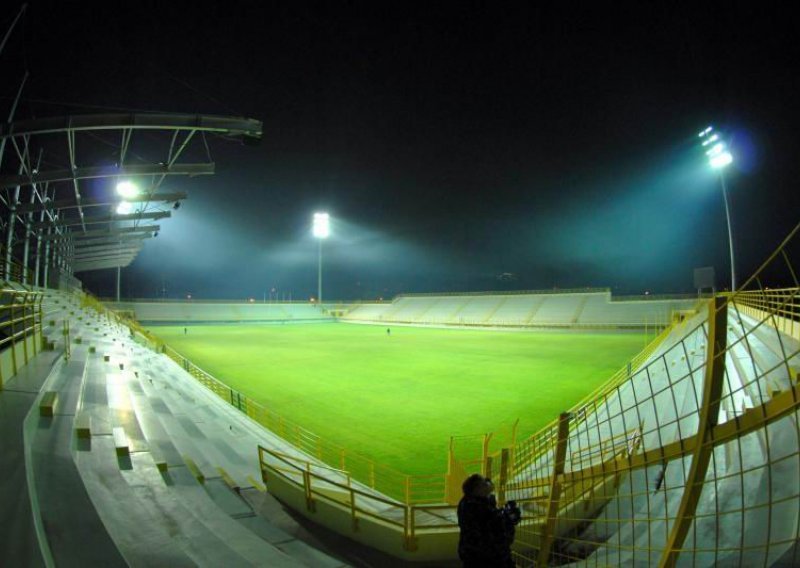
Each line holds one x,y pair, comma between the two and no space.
319,274
28,222
46,260
13,204
11,27
730,230
12,217
119,279
37,264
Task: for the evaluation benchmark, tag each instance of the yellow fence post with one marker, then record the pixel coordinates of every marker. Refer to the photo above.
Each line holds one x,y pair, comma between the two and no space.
485,451
25,327
555,490
41,324
307,488
709,414
12,315
353,516
504,463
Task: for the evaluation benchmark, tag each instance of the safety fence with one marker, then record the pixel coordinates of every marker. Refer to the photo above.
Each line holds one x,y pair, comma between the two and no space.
693,458
21,332
335,487
13,270
390,482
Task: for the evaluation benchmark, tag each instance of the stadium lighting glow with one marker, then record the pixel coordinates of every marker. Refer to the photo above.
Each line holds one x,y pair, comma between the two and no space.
721,160
321,229
127,189
718,158
124,208
705,132
322,225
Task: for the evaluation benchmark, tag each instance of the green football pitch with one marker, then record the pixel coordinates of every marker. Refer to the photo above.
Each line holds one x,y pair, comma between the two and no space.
398,398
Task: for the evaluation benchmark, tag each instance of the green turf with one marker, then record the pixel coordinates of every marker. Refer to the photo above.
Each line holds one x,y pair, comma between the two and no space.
399,398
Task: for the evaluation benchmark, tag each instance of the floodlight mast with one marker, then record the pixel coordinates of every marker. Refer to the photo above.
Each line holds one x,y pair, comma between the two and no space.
321,229
719,157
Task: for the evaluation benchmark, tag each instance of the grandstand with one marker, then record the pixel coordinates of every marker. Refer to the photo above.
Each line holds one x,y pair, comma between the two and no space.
536,309
689,455
194,312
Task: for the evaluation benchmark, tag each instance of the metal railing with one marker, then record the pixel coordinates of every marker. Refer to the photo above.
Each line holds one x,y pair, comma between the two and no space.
387,480
337,488
21,332
18,272
692,458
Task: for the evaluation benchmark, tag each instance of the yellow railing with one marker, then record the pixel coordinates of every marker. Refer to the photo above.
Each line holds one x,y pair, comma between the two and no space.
545,439
19,272
20,321
780,305
335,487
692,446
409,488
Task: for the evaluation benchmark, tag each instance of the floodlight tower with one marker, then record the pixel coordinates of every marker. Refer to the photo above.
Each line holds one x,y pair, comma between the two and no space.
719,157
321,230
126,190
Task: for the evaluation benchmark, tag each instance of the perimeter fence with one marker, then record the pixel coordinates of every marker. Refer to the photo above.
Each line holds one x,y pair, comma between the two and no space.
693,458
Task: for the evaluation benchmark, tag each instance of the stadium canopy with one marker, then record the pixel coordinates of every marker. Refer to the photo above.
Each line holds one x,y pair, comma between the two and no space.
54,217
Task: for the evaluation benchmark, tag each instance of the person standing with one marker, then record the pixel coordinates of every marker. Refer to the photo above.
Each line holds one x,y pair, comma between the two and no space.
487,531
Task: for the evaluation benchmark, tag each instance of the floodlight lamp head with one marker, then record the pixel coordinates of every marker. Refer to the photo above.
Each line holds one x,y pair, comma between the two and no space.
321,228
721,160
127,189
705,132
124,208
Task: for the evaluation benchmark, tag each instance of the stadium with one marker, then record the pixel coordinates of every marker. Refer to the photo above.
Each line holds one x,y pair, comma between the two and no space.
191,429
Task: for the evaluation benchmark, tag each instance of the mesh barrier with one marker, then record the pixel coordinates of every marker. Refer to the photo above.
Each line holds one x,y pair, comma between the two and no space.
20,329
693,459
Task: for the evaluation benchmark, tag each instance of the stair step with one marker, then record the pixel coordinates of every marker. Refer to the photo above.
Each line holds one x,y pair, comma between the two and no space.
47,406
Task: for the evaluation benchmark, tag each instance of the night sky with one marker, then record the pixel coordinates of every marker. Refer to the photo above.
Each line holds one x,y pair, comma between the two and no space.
452,143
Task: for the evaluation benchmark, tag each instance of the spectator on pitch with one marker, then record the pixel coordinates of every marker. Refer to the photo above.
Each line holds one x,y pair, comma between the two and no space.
486,530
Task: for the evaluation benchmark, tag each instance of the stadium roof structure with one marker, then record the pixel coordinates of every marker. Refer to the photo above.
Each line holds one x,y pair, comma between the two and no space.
48,207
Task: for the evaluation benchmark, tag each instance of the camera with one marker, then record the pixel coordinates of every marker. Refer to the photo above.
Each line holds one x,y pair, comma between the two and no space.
512,512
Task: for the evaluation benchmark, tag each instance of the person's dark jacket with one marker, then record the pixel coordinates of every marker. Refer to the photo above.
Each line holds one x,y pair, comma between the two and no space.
486,533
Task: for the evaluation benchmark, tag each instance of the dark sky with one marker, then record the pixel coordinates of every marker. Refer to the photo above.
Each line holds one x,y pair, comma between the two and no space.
451,142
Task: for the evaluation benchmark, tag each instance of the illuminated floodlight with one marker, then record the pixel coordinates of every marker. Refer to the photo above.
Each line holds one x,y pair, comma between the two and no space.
718,158
127,189
721,160
322,225
705,131
124,208
715,149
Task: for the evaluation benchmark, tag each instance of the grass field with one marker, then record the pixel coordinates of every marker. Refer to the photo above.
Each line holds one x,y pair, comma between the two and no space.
399,398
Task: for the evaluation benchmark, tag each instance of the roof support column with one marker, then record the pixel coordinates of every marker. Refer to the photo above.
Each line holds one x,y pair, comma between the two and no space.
119,280
37,266
12,218
46,260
